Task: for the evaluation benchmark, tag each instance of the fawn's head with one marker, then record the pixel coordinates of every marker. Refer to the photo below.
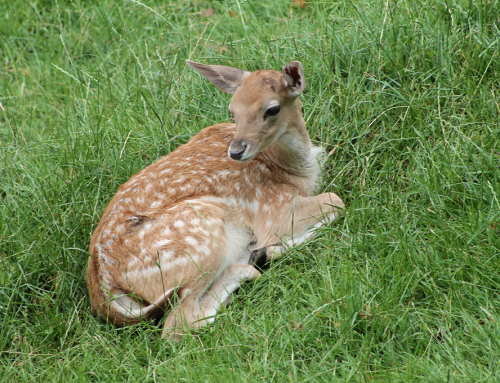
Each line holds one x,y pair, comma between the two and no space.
264,106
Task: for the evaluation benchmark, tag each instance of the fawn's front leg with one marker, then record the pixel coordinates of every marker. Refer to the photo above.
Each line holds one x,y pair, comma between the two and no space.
302,218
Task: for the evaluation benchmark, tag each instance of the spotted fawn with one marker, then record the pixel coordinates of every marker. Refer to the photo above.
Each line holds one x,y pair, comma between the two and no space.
185,232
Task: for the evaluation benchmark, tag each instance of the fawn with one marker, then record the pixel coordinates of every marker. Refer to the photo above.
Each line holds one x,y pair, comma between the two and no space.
185,232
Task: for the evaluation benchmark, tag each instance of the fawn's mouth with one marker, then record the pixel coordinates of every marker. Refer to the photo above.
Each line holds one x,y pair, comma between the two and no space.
241,151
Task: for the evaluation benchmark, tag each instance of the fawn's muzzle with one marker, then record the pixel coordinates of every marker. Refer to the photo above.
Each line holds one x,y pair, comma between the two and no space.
236,150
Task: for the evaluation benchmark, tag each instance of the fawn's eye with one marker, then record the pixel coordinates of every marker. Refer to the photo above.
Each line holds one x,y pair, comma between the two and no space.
273,111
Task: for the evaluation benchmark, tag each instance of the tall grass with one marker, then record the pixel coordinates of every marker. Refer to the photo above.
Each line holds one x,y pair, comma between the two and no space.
404,96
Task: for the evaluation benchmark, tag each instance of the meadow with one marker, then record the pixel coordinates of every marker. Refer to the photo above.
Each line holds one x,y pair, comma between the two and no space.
405,98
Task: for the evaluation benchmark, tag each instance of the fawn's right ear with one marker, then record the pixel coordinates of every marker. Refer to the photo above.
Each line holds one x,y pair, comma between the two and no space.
225,78
294,76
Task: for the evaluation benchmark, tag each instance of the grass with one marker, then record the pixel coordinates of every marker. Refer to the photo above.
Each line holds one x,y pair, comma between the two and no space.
404,96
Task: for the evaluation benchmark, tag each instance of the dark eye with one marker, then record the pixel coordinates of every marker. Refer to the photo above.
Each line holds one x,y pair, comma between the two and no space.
273,111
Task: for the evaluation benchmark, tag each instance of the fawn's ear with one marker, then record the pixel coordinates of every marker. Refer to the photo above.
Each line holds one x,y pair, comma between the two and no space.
294,76
225,78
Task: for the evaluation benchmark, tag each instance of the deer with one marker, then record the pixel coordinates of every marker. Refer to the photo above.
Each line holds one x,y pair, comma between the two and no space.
179,237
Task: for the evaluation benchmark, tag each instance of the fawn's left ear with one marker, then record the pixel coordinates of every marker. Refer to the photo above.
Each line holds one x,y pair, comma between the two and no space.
294,76
225,78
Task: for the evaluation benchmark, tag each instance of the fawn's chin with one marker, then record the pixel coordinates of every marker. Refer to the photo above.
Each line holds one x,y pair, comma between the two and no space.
246,159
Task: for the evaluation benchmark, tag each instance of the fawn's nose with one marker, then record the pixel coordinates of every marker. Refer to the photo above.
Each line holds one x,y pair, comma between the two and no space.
236,150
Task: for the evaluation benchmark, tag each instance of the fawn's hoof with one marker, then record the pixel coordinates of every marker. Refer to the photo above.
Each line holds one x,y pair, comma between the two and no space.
258,258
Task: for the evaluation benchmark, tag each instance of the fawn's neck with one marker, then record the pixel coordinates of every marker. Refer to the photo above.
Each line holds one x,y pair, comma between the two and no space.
294,154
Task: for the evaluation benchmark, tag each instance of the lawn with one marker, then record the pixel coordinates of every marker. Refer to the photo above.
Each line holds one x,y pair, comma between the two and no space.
403,95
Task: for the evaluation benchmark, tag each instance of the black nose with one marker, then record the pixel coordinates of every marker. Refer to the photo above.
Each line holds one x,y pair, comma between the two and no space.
237,152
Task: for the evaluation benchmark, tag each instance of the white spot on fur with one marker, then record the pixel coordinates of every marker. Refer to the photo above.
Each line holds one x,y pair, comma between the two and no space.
172,263
223,173
165,256
162,242
142,274
166,231
204,249
179,180
200,230
252,206
179,224
191,241
133,262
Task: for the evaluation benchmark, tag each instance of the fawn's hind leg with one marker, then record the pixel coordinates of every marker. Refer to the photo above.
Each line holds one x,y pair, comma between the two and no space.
195,311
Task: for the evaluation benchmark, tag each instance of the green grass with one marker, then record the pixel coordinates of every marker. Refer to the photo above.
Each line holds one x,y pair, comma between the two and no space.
404,96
